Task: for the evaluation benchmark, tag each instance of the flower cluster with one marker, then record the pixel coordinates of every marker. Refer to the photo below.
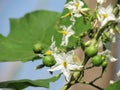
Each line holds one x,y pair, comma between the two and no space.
101,34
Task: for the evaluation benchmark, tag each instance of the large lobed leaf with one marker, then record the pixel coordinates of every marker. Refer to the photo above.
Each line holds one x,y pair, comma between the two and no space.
21,84
38,26
25,32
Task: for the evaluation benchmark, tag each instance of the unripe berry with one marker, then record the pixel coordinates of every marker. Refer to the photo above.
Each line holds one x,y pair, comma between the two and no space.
49,61
38,47
91,51
97,60
104,64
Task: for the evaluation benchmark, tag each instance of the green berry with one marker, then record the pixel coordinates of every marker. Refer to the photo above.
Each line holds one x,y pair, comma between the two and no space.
97,60
37,48
103,57
91,51
49,61
104,64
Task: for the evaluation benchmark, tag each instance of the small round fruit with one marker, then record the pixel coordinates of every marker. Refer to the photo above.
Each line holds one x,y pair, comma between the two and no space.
37,48
97,60
91,51
49,61
104,64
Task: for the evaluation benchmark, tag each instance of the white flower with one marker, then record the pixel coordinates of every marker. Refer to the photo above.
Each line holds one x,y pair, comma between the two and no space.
101,1
105,15
107,55
75,8
52,49
67,32
64,62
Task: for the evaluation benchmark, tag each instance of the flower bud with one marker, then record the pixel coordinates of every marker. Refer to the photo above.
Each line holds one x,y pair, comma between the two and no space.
38,47
104,64
116,11
91,51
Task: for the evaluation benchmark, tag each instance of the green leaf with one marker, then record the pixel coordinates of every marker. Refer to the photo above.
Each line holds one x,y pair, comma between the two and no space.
81,25
38,26
65,20
114,86
21,84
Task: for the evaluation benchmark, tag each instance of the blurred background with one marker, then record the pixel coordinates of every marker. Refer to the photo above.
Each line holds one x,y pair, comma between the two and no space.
18,70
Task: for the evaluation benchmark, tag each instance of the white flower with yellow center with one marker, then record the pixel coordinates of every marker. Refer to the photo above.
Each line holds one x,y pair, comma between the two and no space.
65,63
105,15
107,55
52,49
67,32
101,1
75,8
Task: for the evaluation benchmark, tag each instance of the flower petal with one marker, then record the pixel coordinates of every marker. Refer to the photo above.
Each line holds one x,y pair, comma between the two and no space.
66,72
55,67
112,59
74,66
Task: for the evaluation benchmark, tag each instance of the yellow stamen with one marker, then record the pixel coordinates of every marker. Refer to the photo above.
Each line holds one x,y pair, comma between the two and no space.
49,52
66,15
65,64
105,15
63,32
77,5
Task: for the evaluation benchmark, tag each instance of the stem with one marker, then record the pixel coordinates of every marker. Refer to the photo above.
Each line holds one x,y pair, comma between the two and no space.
96,86
83,64
96,79
39,66
102,29
89,68
89,83
66,87
85,60
98,76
